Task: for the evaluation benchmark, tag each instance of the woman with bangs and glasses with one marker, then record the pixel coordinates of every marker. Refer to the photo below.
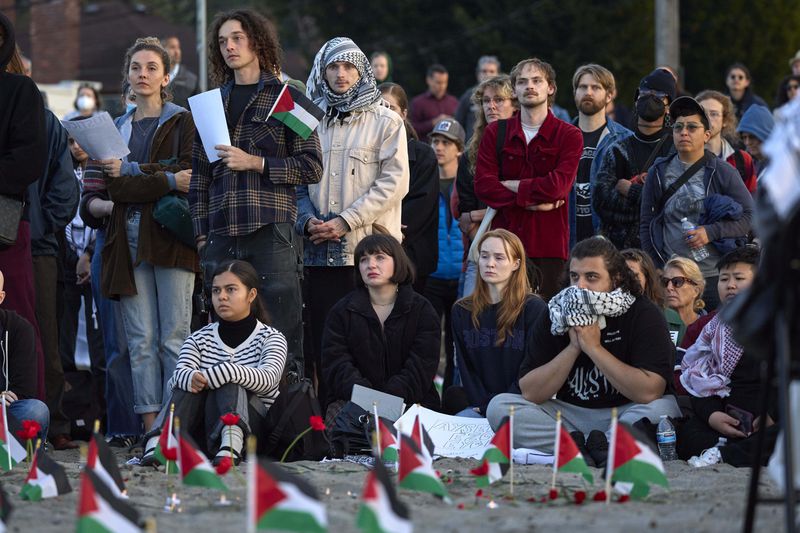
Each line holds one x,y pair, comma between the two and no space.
683,285
738,80
787,90
382,335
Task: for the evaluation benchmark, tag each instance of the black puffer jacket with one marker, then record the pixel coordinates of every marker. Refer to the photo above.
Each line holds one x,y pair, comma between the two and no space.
401,358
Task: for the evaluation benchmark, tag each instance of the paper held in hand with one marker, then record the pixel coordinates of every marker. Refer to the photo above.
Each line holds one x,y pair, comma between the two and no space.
209,119
97,136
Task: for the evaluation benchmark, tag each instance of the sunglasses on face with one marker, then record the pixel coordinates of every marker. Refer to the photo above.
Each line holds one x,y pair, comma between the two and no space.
677,281
793,86
691,126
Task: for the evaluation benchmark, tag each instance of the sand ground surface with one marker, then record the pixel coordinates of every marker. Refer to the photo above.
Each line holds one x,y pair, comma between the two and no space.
704,500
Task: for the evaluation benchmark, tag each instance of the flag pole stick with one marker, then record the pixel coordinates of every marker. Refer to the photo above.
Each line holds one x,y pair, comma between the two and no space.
7,436
377,428
611,446
252,464
176,425
166,467
511,447
556,449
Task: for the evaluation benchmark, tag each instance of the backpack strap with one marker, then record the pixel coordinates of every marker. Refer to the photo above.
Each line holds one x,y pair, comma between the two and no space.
286,415
680,182
502,126
738,159
654,153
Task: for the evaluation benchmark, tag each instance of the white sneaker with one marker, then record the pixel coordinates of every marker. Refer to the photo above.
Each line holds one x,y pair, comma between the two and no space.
709,457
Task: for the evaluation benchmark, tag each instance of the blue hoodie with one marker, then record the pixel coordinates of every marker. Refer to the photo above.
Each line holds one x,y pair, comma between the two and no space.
758,121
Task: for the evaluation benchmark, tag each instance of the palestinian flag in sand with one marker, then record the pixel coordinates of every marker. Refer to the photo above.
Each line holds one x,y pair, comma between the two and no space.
381,511
279,500
194,466
388,436
102,462
416,472
497,457
567,456
5,509
167,447
100,511
633,461
423,441
46,479
11,451
295,110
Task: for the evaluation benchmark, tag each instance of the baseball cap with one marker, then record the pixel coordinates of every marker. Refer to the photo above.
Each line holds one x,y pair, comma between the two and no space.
686,106
660,80
450,129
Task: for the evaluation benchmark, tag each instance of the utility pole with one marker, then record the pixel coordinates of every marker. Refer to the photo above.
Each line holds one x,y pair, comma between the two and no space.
202,48
668,51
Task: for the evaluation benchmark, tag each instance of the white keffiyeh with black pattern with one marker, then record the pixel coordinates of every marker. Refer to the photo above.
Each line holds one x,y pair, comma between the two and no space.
581,307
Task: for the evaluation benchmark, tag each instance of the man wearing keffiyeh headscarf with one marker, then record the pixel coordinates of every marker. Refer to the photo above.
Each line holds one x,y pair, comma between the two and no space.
365,176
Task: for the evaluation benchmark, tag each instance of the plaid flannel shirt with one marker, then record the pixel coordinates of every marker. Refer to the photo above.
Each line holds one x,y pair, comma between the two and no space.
232,203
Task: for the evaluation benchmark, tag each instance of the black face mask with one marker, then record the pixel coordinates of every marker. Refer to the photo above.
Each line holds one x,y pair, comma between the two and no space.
649,107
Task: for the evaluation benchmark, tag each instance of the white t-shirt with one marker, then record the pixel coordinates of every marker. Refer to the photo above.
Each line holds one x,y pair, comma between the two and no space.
530,132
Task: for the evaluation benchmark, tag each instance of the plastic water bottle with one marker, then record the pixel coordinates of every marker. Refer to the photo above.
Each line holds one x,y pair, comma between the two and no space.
721,442
665,434
698,254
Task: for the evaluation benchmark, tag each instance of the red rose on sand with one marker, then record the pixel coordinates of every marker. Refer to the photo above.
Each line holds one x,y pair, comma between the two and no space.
316,422
624,498
479,493
230,419
600,496
580,496
553,494
224,465
30,428
460,505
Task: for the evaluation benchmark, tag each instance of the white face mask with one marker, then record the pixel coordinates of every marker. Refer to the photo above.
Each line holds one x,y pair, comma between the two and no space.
85,103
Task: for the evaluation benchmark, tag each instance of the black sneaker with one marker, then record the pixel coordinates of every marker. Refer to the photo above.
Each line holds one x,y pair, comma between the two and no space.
597,444
120,441
580,441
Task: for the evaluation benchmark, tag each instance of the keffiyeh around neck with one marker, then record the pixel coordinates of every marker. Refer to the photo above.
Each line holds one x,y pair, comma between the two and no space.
362,94
581,307
708,364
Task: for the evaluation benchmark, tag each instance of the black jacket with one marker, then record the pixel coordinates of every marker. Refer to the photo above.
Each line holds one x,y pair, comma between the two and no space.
421,209
23,144
23,373
401,358
183,86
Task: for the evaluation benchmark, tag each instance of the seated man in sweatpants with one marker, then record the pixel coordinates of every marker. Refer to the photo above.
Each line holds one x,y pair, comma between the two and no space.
602,345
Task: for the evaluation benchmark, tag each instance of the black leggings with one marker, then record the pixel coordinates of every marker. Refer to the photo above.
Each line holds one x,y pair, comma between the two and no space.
694,436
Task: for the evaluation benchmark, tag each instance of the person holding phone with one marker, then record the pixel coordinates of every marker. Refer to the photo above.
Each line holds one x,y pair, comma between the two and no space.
724,381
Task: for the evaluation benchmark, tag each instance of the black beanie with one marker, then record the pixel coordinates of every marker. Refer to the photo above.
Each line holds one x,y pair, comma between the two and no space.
659,80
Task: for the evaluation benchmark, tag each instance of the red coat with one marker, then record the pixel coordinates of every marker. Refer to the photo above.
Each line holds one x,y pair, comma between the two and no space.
546,169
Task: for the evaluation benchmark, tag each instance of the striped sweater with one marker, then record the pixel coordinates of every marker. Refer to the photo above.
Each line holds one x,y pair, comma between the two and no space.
257,364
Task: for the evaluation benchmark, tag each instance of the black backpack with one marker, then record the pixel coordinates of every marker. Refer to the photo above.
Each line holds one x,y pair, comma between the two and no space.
287,418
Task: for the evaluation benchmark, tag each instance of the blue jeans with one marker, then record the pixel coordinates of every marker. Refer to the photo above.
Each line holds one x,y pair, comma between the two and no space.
31,410
121,419
157,322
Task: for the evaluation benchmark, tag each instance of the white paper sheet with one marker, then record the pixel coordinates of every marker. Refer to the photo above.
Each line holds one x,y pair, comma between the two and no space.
209,119
453,436
97,136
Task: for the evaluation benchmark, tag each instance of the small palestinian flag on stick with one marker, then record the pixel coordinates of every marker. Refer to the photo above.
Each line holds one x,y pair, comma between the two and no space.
279,500
167,447
567,457
416,471
295,110
632,460
497,457
194,466
387,440
101,511
423,441
5,509
381,511
11,451
102,462
46,479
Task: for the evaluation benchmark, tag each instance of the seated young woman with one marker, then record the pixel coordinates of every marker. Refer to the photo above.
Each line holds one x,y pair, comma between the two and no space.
382,335
724,381
233,365
493,325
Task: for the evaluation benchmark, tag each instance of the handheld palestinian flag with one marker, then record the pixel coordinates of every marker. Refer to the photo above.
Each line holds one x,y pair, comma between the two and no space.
497,457
633,461
568,457
11,451
194,466
102,462
423,441
100,511
381,511
295,110
388,440
46,479
416,472
167,447
279,500
5,509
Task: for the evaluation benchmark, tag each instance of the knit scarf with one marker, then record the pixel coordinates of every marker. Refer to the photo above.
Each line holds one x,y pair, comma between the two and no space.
361,95
581,307
708,364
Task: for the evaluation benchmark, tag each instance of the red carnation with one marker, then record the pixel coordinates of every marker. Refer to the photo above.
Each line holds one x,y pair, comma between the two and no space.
624,498
316,422
224,465
580,496
479,493
230,419
553,494
30,429
600,496
460,505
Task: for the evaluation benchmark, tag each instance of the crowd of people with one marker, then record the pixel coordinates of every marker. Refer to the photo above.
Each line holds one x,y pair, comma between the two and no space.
529,259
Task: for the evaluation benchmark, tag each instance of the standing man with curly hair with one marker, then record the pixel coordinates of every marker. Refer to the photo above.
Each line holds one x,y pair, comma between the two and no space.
243,206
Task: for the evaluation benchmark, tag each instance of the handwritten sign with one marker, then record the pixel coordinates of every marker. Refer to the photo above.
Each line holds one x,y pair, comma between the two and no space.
453,436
